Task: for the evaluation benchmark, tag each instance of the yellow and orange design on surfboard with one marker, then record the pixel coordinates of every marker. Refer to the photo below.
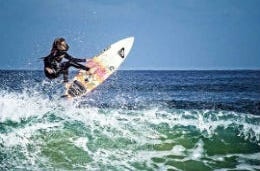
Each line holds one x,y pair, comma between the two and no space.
101,67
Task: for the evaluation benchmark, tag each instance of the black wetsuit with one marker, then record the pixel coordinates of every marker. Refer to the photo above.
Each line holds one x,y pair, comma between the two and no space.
54,62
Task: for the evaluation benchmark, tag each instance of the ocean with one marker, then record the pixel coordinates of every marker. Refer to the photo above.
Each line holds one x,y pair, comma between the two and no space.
136,120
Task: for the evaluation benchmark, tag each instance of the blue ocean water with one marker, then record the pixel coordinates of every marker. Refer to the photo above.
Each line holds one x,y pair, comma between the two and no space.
136,120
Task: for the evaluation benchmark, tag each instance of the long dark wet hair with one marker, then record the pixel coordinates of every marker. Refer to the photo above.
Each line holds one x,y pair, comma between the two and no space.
56,43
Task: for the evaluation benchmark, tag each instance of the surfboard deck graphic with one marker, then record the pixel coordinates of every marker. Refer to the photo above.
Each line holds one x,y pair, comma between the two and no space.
101,67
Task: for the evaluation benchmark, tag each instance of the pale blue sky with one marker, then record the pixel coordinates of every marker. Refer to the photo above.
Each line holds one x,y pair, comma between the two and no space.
169,34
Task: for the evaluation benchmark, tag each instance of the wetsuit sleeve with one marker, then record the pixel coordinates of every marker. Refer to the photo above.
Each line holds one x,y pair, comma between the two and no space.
70,58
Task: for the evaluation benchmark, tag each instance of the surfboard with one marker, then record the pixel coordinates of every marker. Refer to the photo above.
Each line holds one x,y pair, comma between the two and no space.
102,66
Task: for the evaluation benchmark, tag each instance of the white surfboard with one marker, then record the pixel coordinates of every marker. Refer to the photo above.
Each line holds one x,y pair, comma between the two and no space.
102,66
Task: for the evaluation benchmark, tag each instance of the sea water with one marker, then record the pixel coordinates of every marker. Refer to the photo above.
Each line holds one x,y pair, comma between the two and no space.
136,120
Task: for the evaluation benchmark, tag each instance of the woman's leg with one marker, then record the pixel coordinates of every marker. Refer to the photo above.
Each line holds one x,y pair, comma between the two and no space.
65,75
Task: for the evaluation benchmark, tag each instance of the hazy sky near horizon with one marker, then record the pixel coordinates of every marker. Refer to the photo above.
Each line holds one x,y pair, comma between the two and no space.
169,34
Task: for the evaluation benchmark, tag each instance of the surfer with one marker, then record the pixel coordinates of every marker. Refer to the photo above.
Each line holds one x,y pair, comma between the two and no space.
59,61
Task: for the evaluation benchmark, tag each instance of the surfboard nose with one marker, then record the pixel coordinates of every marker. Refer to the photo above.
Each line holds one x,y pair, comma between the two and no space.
131,40
126,41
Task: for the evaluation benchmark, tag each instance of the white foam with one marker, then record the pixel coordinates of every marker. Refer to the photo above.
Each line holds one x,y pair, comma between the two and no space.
82,143
16,106
22,136
197,152
247,167
178,150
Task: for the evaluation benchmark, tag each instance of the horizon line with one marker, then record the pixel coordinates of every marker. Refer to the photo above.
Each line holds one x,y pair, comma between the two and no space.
232,69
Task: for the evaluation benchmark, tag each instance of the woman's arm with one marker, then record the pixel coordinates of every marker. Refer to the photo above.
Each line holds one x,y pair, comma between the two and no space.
67,56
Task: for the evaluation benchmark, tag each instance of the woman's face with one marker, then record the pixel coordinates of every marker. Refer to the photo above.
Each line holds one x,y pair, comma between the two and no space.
63,46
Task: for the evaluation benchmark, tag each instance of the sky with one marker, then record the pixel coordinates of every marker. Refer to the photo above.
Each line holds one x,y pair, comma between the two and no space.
169,34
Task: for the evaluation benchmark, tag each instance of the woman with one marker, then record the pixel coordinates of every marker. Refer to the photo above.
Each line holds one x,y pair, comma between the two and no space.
59,61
